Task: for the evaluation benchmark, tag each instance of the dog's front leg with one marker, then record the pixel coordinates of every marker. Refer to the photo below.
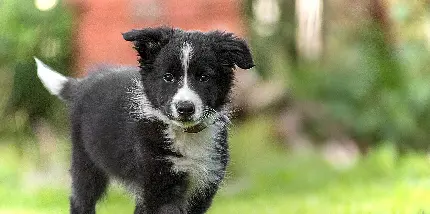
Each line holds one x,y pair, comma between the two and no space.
159,205
165,209
173,208
163,190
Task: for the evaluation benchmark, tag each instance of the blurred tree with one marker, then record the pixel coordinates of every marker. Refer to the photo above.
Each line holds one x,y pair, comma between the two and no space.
309,15
27,29
371,84
272,31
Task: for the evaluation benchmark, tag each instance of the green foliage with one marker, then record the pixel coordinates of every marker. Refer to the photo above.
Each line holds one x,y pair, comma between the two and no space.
275,51
26,32
383,95
373,88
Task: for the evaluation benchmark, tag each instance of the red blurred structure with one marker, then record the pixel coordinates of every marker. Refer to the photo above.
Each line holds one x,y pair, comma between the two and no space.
99,24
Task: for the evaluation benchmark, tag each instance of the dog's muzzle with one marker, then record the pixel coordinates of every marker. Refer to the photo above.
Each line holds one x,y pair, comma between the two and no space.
186,110
185,116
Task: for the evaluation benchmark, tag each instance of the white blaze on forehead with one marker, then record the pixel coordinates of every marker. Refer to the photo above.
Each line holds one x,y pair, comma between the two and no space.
185,93
186,55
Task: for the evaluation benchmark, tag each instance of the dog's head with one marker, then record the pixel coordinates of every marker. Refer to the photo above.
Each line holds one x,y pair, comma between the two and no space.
188,75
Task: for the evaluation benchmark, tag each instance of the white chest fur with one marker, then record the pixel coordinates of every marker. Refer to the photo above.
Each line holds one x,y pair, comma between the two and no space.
199,159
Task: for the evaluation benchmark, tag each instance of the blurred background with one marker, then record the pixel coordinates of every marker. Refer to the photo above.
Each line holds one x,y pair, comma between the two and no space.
335,117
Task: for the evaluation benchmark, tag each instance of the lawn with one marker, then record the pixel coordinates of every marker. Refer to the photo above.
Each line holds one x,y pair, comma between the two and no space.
262,178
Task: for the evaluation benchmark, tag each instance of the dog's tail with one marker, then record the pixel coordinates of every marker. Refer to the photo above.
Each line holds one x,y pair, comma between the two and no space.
57,84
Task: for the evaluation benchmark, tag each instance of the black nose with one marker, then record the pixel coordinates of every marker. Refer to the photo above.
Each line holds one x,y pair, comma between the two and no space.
185,108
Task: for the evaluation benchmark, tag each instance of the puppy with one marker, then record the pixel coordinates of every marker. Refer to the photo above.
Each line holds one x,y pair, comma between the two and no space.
161,128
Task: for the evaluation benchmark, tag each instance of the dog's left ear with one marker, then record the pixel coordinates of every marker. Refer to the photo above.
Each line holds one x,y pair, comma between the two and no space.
231,50
149,41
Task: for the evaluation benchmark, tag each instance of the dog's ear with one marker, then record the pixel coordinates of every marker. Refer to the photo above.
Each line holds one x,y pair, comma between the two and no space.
231,50
148,42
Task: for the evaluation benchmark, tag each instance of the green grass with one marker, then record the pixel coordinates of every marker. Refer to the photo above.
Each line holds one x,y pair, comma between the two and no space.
262,178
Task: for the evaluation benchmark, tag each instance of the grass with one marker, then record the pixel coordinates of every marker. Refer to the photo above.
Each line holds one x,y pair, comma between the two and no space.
262,178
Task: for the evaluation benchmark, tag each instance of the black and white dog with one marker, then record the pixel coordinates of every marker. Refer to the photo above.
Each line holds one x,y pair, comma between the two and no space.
161,128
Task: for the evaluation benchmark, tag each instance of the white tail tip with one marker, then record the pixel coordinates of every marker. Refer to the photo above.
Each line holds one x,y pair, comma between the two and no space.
52,80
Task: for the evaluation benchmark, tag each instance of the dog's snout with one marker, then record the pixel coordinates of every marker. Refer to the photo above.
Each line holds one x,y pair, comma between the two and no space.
185,108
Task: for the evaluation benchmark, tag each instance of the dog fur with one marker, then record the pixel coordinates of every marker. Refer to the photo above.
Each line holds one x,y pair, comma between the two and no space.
161,128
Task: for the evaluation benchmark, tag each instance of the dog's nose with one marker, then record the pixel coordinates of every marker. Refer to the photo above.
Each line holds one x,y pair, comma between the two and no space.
185,108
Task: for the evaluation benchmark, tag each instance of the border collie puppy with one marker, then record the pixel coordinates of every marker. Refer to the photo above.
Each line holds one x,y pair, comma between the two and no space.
161,129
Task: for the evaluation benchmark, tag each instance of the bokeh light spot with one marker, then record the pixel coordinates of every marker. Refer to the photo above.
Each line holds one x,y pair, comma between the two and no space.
45,5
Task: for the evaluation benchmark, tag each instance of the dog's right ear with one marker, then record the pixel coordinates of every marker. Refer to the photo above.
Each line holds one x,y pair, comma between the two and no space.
231,50
148,42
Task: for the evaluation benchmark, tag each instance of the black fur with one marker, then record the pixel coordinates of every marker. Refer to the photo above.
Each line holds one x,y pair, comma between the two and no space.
112,139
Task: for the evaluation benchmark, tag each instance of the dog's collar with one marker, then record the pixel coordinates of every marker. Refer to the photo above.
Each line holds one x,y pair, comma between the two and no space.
195,129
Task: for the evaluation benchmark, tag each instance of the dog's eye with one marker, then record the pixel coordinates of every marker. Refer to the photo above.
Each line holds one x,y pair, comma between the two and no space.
168,77
203,78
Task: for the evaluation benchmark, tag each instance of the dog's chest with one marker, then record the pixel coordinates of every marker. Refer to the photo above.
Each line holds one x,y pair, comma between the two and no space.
199,158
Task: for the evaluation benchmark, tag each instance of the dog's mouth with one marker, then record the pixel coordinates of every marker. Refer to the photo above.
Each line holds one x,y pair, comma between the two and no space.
195,128
193,123
190,126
